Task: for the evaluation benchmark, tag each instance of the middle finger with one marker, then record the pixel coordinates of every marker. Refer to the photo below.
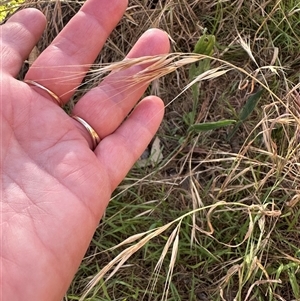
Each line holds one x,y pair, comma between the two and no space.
62,66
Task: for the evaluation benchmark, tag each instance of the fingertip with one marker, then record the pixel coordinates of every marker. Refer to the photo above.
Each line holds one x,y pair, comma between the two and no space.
151,105
153,42
30,17
112,8
160,37
19,35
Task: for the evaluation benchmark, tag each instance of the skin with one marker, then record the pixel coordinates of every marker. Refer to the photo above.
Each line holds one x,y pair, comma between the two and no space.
54,188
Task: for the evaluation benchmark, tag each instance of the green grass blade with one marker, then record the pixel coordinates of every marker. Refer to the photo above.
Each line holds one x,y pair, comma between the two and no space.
208,126
294,283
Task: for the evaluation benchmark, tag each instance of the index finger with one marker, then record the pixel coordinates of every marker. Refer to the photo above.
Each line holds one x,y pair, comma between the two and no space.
76,47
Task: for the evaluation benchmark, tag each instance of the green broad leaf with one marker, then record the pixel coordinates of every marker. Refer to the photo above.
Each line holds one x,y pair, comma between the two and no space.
207,126
246,111
205,45
250,105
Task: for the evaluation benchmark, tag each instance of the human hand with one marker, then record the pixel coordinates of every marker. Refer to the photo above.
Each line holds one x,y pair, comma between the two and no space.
54,188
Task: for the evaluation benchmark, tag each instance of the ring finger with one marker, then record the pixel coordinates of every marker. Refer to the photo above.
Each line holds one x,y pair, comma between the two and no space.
106,106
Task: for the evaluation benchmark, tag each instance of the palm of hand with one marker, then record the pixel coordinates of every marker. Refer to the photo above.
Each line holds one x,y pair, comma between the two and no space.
52,183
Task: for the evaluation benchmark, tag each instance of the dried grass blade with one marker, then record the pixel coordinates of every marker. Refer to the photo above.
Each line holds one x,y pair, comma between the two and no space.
247,48
172,264
163,255
209,74
122,258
